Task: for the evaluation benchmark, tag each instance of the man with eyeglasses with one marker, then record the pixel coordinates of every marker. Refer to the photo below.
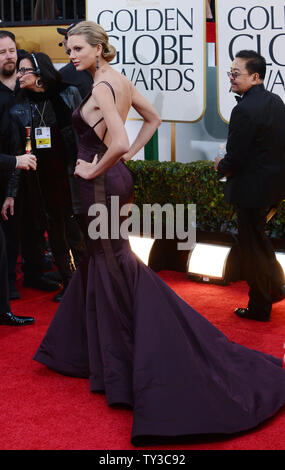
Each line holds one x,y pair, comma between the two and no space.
9,88
254,165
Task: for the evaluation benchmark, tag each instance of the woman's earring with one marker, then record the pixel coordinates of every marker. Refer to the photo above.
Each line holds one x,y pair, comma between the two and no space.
97,63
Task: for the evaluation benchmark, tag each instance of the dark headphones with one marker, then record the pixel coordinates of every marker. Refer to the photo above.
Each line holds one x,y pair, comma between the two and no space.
38,70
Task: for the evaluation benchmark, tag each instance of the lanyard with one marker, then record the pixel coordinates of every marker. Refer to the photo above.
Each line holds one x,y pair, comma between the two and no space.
42,121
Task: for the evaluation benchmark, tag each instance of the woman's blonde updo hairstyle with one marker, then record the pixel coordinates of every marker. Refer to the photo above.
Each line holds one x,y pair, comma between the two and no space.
94,35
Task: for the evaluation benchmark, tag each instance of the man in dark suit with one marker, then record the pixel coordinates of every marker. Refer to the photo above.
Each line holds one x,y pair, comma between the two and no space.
254,165
24,162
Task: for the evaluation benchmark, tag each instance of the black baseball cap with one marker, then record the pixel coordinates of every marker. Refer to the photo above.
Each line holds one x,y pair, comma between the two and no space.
64,31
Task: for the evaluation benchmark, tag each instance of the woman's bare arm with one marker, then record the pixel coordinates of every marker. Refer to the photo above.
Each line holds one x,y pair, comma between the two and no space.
151,122
119,143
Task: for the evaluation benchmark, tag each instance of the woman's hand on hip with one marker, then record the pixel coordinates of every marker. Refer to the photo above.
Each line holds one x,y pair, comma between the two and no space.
84,169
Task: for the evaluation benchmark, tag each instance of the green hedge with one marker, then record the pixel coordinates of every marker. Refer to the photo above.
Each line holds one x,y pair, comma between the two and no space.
192,183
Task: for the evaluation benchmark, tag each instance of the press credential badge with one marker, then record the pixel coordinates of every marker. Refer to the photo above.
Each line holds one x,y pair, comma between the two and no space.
43,137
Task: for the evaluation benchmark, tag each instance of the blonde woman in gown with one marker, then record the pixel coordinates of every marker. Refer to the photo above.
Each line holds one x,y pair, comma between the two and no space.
119,324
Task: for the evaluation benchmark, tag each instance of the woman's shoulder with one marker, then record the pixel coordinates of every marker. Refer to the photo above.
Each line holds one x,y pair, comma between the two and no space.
115,81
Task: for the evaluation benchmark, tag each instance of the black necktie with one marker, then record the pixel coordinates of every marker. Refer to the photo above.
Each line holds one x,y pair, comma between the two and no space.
238,98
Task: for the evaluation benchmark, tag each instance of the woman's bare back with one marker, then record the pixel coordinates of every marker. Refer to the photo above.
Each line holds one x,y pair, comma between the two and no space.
123,90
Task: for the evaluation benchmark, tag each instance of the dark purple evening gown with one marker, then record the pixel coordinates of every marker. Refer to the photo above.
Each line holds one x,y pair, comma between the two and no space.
138,342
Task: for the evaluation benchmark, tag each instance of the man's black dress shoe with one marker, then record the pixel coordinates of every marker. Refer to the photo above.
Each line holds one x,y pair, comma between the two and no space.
42,283
278,295
248,314
11,320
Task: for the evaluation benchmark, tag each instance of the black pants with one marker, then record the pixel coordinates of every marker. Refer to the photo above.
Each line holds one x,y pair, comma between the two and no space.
261,270
4,286
11,229
44,204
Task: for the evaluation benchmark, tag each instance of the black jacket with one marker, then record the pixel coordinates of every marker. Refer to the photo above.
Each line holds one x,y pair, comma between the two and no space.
7,100
7,161
22,117
81,79
255,160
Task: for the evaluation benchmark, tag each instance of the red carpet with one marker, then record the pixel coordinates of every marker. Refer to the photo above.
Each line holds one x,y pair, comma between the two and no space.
43,410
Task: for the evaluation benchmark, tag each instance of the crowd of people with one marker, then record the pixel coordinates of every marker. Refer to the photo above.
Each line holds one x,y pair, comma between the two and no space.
40,210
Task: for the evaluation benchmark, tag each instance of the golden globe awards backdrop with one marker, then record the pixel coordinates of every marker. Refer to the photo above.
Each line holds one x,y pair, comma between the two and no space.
161,49
250,24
